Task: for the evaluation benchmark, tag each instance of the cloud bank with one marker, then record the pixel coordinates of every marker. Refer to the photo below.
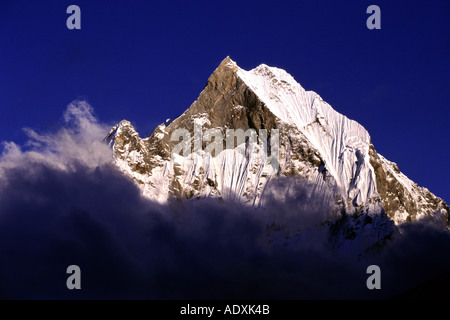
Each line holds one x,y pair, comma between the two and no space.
63,202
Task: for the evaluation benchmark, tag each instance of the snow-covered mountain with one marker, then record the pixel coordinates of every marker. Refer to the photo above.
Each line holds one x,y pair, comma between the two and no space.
321,154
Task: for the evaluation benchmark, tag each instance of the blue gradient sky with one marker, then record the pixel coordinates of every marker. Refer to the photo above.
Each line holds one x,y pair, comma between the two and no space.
145,61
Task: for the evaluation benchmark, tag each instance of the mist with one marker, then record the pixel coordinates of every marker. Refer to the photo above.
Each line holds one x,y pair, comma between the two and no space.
63,202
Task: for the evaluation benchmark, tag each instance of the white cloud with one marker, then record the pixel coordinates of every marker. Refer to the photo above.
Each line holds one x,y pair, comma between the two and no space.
79,141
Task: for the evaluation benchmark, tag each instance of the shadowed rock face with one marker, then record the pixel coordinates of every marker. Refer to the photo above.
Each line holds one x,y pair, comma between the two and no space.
228,102
400,202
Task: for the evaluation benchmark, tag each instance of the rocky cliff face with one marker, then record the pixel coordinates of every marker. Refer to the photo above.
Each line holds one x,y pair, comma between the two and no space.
329,155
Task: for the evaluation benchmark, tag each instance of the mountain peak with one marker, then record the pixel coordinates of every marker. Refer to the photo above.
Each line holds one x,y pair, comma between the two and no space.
317,146
228,63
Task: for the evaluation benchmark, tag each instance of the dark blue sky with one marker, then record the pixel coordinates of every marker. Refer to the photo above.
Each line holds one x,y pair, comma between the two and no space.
145,61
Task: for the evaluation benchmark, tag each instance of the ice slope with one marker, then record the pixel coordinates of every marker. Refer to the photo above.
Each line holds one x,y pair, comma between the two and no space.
343,143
